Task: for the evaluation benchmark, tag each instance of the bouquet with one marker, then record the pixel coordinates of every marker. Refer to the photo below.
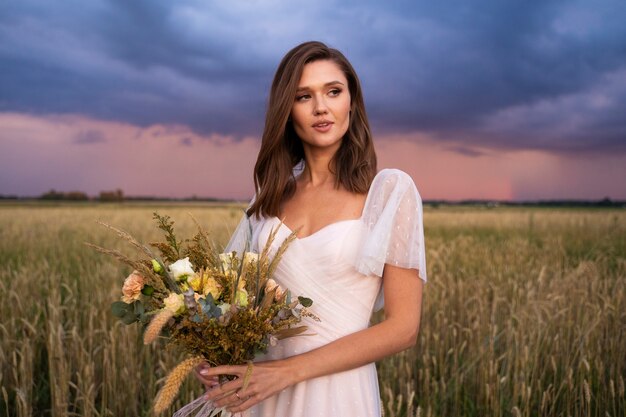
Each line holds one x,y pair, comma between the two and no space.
222,308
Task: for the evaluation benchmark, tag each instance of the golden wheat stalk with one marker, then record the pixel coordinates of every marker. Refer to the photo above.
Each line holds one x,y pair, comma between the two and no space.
290,332
174,380
264,258
156,325
246,377
281,250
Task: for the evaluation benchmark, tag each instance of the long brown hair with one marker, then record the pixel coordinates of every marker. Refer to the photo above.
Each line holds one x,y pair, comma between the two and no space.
354,163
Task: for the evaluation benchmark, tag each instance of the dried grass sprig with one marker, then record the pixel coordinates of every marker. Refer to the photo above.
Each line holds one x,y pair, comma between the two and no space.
165,397
171,249
138,265
202,239
156,325
141,266
127,237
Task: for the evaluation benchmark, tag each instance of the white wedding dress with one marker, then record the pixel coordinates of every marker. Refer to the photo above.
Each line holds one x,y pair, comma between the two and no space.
340,267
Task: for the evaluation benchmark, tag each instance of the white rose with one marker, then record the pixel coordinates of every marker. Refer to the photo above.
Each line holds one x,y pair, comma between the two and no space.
250,259
181,269
225,307
227,260
175,303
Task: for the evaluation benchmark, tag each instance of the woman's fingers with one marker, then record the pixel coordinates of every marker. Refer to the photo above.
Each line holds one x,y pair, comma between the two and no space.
236,370
246,403
209,382
200,373
233,399
224,389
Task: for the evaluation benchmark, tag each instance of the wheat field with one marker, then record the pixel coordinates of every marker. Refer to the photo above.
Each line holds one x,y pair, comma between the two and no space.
524,313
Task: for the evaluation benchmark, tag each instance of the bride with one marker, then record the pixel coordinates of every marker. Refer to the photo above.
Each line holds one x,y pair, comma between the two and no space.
359,246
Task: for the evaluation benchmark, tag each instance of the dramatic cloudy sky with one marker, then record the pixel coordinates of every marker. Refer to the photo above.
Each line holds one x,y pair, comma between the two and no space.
502,99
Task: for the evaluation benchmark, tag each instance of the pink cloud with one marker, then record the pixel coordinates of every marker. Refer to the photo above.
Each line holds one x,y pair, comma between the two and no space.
76,153
453,172
40,153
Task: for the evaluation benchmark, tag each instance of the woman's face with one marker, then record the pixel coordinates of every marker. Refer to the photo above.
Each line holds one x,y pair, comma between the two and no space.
321,110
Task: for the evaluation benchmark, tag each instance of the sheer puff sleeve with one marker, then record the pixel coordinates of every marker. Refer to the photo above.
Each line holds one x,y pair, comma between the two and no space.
395,233
242,238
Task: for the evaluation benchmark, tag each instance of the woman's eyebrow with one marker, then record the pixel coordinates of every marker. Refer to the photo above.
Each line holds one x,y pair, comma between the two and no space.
325,85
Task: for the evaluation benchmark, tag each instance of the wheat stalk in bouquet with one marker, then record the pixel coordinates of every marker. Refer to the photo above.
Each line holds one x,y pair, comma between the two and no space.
222,308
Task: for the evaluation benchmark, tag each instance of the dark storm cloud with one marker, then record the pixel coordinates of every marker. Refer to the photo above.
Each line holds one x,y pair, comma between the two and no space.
510,74
465,151
89,137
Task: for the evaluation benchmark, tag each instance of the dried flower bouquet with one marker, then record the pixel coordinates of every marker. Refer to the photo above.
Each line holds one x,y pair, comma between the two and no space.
222,308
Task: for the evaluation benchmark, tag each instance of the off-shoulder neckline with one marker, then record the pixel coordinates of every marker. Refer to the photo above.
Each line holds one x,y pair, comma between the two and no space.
329,225
318,231
380,173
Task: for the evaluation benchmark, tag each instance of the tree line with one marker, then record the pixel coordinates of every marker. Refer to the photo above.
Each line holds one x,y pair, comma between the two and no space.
115,196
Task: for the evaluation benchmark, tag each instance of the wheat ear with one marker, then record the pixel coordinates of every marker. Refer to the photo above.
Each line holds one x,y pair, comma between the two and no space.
156,325
166,394
281,250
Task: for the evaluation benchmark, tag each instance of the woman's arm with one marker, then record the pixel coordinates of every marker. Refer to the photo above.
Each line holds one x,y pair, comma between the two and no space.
403,300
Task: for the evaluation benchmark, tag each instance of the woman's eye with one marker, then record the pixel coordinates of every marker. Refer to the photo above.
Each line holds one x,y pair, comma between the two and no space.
334,92
302,97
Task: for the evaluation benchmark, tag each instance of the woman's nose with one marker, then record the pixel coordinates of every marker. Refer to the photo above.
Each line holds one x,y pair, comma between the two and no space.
320,107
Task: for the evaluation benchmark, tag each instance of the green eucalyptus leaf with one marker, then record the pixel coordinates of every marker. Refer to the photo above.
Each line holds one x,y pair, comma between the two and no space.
129,318
120,308
138,308
306,302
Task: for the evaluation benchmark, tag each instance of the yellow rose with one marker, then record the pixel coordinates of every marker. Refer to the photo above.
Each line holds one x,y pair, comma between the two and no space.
211,286
195,282
131,289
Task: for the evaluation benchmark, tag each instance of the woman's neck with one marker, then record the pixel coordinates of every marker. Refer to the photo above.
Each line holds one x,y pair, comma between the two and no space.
316,172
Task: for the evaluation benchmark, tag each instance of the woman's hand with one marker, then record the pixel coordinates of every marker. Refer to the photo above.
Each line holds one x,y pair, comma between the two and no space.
265,380
209,383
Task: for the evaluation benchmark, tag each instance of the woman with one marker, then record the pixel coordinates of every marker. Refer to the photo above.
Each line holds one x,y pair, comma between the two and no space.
359,233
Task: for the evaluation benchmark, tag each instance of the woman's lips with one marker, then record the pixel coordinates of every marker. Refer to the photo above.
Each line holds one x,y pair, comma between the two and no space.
323,126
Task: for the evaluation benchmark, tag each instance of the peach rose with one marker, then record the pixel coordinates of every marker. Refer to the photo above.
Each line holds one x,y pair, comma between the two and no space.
132,287
175,303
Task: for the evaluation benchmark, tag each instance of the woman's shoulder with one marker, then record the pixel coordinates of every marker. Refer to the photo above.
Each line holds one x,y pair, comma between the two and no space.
393,179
